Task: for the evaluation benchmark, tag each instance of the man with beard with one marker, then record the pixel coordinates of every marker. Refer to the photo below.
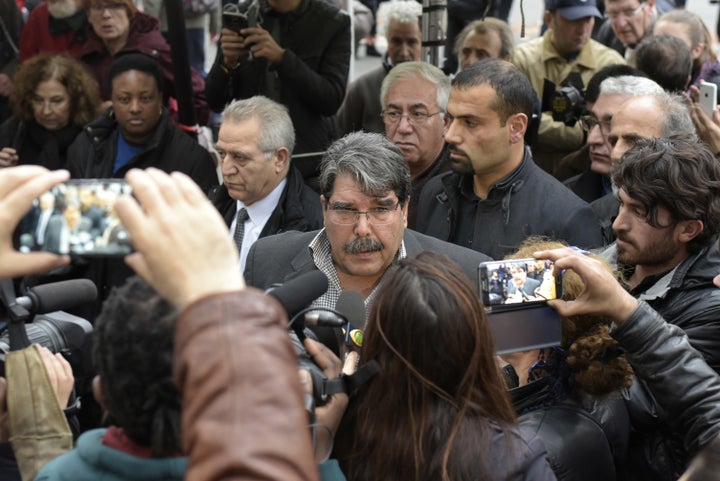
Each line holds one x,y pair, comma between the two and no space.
54,26
666,230
496,196
365,188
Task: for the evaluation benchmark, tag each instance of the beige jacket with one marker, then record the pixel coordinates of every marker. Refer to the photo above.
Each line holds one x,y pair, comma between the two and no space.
538,59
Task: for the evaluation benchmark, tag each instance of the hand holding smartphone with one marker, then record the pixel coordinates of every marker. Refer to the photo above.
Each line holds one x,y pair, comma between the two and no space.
77,217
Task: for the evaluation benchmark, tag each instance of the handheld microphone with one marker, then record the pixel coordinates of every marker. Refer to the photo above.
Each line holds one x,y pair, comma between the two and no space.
58,296
350,307
297,293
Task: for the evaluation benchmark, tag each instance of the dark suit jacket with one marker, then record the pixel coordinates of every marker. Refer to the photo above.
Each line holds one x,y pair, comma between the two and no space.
279,258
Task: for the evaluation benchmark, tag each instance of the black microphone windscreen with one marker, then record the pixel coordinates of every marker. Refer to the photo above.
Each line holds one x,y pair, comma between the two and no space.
298,293
58,296
351,306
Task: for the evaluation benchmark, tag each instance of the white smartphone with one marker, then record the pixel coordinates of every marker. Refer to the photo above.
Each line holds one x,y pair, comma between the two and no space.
708,97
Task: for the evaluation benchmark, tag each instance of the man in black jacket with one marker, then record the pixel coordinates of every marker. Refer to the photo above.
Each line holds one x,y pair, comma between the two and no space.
666,231
260,186
497,196
299,55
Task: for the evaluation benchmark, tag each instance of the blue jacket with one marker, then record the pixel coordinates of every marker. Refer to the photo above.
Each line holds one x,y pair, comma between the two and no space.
92,460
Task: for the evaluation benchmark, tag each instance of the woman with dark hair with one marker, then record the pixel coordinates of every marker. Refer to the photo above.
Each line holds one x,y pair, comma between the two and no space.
570,394
117,28
438,408
52,99
137,131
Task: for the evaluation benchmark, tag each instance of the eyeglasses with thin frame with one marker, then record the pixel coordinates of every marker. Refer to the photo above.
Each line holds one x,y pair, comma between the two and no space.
114,8
627,14
381,216
588,122
416,117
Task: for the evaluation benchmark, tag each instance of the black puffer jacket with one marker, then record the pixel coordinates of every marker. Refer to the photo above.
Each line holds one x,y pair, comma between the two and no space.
310,80
92,155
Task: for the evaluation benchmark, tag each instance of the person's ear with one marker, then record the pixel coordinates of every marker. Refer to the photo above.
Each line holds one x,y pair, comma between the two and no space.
282,159
98,392
690,229
549,19
517,126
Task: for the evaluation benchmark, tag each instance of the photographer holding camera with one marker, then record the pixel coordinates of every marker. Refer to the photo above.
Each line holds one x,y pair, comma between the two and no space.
564,49
288,58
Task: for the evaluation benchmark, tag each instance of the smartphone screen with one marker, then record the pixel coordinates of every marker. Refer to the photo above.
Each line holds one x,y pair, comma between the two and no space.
77,217
518,282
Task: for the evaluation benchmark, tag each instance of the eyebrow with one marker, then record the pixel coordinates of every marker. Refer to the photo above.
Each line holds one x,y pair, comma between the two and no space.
379,202
411,106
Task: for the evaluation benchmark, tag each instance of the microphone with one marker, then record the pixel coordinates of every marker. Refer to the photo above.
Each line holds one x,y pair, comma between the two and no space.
350,307
58,296
297,293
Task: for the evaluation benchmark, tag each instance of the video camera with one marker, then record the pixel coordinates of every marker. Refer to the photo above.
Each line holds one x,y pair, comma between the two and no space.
37,318
566,103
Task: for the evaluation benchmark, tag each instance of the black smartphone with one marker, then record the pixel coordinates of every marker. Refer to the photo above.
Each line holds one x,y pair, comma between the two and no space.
233,18
518,283
77,217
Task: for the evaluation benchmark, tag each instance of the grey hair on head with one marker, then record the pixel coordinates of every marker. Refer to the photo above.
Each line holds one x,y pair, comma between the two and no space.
422,70
276,127
371,160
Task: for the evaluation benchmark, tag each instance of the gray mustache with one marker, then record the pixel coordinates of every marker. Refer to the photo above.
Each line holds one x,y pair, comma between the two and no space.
363,244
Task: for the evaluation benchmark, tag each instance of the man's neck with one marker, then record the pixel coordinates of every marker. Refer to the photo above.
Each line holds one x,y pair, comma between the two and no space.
364,285
642,272
421,169
483,183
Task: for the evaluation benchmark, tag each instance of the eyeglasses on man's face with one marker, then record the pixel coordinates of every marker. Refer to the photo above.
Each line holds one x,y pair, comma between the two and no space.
627,14
588,122
381,216
415,117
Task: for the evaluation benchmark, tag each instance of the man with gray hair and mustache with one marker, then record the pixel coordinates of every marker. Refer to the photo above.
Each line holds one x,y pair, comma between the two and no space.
365,189
54,26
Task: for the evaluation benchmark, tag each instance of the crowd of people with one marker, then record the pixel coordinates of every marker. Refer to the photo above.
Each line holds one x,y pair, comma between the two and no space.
586,149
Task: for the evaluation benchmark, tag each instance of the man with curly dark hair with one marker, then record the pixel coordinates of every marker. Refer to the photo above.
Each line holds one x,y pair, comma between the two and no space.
133,349
666,247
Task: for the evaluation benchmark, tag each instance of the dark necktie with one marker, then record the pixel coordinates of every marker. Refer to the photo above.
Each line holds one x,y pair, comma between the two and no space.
240,219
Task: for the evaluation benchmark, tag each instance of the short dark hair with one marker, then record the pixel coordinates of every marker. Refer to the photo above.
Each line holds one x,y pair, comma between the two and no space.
515,94
132,351
592,92
375,163
141,63
667,60
677,173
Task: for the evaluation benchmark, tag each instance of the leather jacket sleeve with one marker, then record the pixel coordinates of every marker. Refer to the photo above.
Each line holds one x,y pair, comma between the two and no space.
243,416
676,375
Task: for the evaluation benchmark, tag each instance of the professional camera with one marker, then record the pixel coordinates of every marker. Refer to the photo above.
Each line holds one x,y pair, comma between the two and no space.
566,103
59,332
50,327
